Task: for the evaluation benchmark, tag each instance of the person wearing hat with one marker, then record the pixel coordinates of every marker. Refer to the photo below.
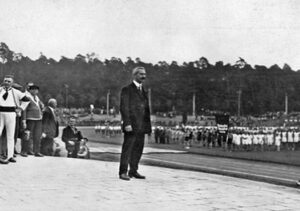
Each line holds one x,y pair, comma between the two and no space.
10,99
32,120
135,112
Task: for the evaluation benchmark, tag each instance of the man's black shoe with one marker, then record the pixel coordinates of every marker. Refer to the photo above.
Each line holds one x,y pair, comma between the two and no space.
30,153
38,155
3,161
136,175
124,177
24,154
12,160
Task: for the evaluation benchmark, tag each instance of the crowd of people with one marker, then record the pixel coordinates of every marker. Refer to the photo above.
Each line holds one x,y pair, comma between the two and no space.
23,116
235,139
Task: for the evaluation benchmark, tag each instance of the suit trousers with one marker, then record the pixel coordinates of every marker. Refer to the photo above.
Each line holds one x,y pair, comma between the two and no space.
35,127
8,120
132,150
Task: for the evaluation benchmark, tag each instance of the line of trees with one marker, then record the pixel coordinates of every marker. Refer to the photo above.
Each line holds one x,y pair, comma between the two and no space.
85,80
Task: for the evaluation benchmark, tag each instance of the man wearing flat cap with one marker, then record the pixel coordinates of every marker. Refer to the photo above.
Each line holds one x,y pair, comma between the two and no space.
10,99
32,120
135,114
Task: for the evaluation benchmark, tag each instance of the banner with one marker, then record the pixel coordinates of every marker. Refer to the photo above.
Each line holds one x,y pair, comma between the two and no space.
222,123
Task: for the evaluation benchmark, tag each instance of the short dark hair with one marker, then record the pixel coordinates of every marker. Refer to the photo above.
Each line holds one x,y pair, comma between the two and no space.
9,76
72,117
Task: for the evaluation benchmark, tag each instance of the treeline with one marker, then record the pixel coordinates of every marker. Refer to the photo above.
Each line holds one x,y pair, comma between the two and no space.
85,80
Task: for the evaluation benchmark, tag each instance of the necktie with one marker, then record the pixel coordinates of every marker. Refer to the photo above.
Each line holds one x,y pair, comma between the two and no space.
5,94
54,115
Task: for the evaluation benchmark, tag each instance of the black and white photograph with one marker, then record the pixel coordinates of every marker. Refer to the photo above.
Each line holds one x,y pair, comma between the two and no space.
149,105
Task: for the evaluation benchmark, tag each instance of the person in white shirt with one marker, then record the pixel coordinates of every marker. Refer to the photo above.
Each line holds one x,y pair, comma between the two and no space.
277,140
291,135
296,137
10,99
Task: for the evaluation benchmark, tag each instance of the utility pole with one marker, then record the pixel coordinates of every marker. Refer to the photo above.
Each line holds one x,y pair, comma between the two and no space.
286,103
239,102
67,100
149,98
107,102
194,104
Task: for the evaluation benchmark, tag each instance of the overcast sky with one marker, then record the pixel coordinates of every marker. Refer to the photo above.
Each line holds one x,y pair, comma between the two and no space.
261,32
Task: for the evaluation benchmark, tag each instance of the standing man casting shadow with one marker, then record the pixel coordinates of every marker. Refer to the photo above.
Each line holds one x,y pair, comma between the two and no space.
32,120
10,99
49,127
135,114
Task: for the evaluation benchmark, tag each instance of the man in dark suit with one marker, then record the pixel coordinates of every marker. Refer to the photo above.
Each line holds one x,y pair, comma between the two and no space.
71,136
135,114
49,128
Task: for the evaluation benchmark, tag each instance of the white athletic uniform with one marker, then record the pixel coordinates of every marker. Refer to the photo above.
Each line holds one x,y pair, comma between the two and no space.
277,139
237,139
8,116
284,139
256,139
296,137
270,139
260,139
290,137
233,138
247,139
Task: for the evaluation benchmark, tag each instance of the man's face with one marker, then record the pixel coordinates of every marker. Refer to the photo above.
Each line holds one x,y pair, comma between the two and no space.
72,122
7,82
140,76
54,104
34,91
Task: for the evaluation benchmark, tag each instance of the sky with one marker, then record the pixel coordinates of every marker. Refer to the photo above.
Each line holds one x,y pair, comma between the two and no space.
263,32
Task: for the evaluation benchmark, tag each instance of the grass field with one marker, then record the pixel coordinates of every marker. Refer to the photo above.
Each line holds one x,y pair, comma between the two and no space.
283,157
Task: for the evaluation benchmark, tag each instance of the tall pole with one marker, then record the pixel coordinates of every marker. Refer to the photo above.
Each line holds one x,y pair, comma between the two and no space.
67,101
107,102
150,101
194,104
239,102
286,103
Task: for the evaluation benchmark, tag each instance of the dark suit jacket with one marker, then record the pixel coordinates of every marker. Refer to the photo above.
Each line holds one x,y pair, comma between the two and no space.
69,134
50,124
135,109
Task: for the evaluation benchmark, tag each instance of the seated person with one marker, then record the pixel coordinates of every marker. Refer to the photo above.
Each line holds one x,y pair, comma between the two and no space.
72,137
